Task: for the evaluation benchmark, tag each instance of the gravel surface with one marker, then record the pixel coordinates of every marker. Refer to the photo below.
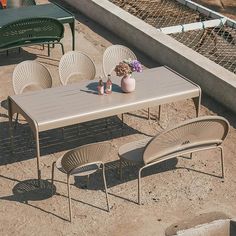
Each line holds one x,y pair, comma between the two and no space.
172,191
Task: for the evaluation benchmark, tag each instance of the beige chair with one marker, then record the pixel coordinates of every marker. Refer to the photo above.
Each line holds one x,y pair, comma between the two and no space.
75,66
83,161
30,75
190,136
113,55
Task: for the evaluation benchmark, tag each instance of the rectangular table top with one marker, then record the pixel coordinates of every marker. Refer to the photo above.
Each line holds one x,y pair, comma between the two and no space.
43,10
79,102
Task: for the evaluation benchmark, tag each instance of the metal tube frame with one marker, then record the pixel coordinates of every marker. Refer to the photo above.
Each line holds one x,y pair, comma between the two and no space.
157,162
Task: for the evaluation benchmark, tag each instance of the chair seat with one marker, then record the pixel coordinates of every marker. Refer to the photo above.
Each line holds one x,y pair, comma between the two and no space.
133,151
80,171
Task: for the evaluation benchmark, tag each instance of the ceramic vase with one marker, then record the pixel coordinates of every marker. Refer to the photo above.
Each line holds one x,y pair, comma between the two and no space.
127,84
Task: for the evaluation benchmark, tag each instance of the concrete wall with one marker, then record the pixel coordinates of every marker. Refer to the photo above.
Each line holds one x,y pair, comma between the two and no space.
214,80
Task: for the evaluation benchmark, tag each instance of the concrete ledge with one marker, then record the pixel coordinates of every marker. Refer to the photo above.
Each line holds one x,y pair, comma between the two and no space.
214,80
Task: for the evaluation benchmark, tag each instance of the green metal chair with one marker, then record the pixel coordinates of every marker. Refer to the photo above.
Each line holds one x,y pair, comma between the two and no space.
31,31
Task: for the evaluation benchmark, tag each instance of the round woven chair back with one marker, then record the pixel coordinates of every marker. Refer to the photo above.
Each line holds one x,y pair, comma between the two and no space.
87,154
75,66
192,134
30,74
115,54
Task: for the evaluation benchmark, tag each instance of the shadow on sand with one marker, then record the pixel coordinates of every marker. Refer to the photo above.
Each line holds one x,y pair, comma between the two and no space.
58,140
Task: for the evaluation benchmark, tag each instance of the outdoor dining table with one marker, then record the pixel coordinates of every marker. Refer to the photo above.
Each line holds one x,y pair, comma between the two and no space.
79,102
42,10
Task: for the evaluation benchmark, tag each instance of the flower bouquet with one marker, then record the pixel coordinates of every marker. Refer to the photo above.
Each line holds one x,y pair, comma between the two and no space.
125,69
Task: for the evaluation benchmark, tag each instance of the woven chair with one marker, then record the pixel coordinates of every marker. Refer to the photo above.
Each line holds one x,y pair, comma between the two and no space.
112,56
75,66
31,31
83,161
20,3
30,74
186,138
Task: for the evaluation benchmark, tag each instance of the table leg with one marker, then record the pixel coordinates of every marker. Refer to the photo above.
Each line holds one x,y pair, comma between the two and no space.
10,125
197,103
38,154
159,113
72,27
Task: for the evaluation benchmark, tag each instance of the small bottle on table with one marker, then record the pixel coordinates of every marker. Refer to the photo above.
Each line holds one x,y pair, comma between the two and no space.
109,85
100,87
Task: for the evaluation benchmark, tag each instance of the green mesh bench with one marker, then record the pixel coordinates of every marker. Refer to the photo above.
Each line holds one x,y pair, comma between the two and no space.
31,31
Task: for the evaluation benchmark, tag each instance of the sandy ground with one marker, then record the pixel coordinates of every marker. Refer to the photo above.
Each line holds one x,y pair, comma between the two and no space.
226,7
174,191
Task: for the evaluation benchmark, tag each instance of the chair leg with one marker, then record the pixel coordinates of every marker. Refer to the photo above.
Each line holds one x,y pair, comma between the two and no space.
69,198
222,161
159,113
139,186
53,170
120,170
48,50
122,118
105,186
88,180
148,113
62,49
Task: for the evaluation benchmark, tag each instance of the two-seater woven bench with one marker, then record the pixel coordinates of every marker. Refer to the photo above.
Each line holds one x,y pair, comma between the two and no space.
31,31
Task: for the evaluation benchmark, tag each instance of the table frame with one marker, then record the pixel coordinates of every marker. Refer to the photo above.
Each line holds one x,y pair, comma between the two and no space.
13,108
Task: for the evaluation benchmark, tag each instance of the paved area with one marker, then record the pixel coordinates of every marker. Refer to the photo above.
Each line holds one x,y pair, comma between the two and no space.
172,191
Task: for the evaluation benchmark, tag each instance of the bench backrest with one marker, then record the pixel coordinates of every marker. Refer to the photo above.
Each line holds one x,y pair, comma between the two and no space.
194,134
30,31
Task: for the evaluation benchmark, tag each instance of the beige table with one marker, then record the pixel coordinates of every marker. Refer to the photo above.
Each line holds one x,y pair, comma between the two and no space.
72,104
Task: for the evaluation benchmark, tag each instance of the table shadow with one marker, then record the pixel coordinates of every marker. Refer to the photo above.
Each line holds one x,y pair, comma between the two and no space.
58,140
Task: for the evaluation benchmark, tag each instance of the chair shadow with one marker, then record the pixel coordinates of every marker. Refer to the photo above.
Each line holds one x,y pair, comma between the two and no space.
15,58
201,172
58,140
29,190
83,202
130,173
